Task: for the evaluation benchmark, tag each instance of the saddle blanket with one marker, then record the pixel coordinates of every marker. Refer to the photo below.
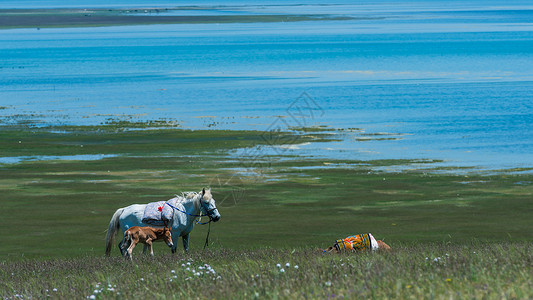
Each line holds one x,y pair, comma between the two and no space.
359,242
158,214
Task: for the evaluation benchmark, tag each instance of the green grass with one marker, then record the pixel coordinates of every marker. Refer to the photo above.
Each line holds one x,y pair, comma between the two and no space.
275,209
266,200
500,270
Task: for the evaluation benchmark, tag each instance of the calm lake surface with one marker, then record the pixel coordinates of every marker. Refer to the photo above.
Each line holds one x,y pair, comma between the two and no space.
448,80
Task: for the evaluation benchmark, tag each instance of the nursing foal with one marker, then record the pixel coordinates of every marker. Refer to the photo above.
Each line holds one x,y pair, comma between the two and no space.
145,235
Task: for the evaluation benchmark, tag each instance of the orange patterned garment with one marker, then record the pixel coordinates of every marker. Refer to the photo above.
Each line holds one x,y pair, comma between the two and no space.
360,242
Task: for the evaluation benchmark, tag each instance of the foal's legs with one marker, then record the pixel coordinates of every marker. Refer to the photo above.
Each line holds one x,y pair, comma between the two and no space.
130,249
149,243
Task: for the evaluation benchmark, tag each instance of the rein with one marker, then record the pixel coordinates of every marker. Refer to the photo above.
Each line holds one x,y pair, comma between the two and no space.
166,203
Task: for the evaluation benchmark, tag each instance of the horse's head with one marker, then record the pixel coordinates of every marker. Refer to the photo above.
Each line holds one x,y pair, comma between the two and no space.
167,237
208,205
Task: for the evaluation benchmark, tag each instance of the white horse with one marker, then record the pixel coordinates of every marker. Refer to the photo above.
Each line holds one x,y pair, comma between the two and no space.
187,209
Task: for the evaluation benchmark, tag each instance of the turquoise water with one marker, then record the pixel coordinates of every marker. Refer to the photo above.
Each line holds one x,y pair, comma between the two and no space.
426,79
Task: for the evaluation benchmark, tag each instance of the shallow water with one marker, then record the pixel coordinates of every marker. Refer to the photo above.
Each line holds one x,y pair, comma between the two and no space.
18,159
425,79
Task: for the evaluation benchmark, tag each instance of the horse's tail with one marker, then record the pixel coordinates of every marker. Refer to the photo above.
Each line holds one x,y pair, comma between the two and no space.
112,230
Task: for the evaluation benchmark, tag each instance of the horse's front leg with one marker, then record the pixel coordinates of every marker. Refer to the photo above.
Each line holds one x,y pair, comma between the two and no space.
175,238
186,243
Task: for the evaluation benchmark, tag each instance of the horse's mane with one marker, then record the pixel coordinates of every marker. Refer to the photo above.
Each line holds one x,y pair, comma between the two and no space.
187,196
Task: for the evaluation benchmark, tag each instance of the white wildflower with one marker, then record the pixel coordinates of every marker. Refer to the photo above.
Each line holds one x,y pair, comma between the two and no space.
282,270
287,265
296,267
278,265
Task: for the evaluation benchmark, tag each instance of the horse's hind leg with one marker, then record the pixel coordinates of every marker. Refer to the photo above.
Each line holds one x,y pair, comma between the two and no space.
144,248
124,245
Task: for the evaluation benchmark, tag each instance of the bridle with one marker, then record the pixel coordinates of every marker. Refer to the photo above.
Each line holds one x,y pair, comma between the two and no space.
207,211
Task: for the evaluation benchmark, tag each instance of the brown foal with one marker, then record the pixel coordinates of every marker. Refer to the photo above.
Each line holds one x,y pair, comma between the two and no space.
145,235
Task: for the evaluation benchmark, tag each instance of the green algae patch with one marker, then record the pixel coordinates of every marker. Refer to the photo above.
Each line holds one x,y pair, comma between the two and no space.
122,138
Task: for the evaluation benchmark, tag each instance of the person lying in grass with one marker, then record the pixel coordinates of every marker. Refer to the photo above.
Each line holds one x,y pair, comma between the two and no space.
359,242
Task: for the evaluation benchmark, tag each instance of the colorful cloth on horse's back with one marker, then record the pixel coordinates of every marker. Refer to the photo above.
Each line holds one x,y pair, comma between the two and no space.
158,214
359,242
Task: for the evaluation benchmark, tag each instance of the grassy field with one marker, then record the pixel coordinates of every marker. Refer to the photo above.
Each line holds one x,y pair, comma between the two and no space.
59,193
431,271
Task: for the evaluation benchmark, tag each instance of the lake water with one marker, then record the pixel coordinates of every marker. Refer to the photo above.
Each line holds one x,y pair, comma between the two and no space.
447,80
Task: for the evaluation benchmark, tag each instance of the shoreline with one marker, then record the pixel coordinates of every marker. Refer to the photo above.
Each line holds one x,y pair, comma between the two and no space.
59,18
300,144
